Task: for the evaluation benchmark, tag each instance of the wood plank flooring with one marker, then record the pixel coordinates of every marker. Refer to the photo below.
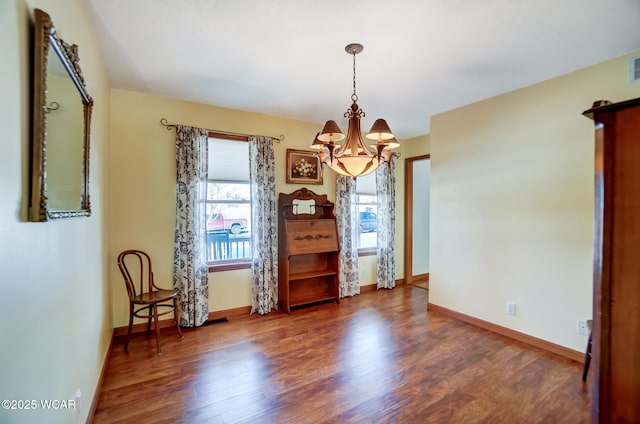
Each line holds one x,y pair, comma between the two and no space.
374,358
421,285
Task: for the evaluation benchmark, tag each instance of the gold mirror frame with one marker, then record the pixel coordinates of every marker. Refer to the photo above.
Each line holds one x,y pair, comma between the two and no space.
46,40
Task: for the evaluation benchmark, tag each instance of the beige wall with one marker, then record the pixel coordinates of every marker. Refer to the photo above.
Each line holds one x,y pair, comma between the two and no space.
142,202
416,146
512,203
56,312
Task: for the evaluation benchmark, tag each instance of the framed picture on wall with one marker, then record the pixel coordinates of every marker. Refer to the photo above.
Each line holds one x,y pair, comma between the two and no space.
303,167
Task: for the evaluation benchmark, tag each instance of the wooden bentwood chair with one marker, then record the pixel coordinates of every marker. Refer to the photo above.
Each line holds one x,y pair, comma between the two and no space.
135,266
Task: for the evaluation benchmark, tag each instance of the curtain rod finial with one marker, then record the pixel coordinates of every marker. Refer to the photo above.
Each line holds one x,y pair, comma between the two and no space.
166,123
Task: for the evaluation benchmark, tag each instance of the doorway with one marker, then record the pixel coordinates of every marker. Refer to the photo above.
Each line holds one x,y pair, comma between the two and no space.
416,229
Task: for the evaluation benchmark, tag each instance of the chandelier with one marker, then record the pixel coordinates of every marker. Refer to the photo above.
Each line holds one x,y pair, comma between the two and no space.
352,158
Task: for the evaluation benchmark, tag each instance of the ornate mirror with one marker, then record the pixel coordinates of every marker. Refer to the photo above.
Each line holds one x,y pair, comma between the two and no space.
61,128
303,206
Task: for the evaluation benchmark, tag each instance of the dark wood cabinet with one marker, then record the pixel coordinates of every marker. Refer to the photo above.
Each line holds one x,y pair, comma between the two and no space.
615,367
308,250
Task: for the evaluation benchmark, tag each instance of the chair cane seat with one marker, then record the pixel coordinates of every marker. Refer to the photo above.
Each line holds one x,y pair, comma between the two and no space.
155,296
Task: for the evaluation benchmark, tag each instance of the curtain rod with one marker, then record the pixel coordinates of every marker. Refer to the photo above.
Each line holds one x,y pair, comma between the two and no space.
166,124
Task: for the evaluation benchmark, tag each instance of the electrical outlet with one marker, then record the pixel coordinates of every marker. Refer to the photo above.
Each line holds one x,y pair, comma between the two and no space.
581,327
511,308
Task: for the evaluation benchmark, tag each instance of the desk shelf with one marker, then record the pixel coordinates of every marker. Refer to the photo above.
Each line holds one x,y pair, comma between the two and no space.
311,274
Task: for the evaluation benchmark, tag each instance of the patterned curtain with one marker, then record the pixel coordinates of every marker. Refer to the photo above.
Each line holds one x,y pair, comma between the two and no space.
386,193
264,234
190,268
345,219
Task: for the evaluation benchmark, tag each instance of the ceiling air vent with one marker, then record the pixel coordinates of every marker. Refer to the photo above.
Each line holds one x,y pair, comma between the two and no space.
634,69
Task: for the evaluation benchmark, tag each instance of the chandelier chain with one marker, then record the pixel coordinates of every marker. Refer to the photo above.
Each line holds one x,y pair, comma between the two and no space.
354,96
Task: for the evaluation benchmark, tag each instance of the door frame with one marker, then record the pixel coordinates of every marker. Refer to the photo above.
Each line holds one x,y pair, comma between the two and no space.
408,221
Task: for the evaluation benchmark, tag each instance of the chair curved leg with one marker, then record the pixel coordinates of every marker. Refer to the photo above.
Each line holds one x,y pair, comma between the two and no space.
126,340
149,319
155,320
175,317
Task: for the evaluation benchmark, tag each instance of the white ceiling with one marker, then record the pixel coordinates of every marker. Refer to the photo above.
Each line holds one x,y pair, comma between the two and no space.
420,58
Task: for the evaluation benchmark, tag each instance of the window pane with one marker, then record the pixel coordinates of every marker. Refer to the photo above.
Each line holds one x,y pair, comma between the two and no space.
218,190
366,207
366,198
231,217
367,224
228,201
228,231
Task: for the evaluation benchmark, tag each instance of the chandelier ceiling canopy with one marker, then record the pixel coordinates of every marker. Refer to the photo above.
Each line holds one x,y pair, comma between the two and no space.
349,155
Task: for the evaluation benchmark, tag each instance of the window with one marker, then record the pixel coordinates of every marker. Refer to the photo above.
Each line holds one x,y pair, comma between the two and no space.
228,203
366,216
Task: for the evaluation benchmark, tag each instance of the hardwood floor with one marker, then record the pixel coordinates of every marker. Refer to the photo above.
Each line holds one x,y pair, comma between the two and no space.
421,285
374,358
